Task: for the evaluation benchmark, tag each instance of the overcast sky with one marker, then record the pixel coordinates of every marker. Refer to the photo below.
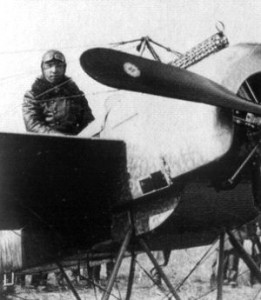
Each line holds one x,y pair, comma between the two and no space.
30,27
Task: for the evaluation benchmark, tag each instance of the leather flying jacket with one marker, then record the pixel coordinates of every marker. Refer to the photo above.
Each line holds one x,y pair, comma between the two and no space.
56,109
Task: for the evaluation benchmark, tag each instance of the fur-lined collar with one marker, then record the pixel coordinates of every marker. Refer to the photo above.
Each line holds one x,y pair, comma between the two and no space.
43,89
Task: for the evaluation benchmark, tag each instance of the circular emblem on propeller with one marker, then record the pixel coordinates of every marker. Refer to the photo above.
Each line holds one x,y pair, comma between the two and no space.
131,69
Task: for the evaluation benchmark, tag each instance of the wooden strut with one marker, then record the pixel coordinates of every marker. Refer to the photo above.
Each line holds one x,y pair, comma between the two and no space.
118,262
131,276
117,265
220,267
76,295
238,171
158,268
245,256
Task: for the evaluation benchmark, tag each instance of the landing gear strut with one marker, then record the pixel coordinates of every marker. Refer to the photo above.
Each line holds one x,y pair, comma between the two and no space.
119,259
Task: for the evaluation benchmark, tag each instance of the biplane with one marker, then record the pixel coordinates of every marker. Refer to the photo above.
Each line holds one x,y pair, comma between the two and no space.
176,163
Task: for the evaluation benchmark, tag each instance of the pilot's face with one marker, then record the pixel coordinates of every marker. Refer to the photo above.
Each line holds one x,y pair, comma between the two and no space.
53,71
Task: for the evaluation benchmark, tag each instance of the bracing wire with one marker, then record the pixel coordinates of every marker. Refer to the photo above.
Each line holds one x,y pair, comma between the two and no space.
99,286
4,116
213,289
203,258
208,249
150,277
18,297
246,271
257,294
118,289
207,254
50,227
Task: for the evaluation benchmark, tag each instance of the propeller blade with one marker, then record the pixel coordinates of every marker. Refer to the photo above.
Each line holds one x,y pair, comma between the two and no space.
125,71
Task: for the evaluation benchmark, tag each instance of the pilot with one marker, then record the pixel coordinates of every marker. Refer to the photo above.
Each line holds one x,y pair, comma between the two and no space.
55,105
